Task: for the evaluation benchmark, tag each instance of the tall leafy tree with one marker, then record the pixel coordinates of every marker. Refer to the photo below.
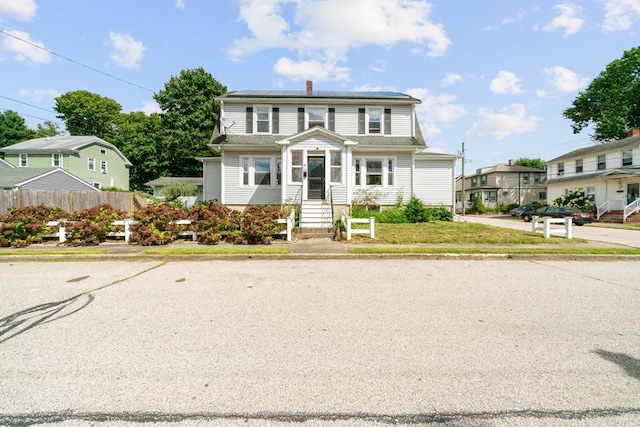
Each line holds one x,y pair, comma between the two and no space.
531,163
142,139
87,113
13,129
48,128
611,103
189,114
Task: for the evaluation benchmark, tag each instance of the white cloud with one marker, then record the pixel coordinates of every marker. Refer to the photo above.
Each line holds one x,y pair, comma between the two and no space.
126,51
506,82
620,14
379,66
519,16
310,70
509,121
39,94
180,4
31,52
565,80
570,19
22,10
435,110
450,79
325,31
150,107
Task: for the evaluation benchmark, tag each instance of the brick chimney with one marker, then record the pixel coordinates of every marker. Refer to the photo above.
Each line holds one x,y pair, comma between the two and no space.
309,88
633,132
512,162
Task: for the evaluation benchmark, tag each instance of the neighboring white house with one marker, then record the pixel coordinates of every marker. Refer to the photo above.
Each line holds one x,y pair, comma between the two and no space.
608,173
323,148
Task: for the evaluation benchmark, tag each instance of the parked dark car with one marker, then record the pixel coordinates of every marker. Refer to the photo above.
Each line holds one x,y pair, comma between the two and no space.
578,217
523,209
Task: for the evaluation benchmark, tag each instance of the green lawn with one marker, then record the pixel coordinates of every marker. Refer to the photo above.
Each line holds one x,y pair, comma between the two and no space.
459,233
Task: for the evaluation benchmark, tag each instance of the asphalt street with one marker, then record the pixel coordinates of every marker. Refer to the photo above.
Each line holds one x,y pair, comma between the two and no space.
325,342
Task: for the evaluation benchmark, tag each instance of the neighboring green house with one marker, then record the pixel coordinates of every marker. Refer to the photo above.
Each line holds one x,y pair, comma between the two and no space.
90,158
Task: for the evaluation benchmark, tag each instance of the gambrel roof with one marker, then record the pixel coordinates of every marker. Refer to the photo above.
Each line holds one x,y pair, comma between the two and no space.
61,144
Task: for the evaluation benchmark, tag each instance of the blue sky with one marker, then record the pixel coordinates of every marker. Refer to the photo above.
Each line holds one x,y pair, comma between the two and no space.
495,74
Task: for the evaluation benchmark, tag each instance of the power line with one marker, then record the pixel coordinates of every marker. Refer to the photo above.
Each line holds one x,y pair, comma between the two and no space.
25,103
75,62
33,117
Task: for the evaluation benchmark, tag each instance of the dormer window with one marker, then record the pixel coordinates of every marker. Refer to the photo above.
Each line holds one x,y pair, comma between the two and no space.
374,121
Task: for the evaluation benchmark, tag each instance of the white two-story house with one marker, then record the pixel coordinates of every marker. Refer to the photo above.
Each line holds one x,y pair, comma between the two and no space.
323,148
608,173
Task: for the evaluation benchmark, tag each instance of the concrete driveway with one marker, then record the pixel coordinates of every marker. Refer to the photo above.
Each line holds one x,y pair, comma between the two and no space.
320,343
617,236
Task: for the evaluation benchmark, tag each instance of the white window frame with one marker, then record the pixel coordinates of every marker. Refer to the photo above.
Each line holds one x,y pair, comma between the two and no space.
603,162
103,166
360,179
256,121
579,165
626,154
337,167
23,160
91,164
296,167
274,177
56,160
315,108
369,121
561,169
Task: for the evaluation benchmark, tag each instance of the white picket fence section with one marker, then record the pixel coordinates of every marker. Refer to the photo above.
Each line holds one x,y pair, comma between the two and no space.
61,233
544,225
347,221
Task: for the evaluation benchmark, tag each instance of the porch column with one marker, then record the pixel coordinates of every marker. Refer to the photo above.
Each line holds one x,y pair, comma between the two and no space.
348,166
284,172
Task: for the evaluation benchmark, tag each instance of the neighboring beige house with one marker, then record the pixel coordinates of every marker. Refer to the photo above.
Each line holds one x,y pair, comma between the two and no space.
608,173
94,160
504,184
323,150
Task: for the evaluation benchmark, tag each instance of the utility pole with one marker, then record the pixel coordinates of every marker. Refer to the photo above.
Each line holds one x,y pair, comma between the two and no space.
464,198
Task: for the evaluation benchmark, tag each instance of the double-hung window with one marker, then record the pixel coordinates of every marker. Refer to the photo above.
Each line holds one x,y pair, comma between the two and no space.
627,157
375,120
316,116
579,166
296,166
262,119
561,169
602,162
336,167
91,164
24,160
525,178
56,160
103,166
374,172
536,178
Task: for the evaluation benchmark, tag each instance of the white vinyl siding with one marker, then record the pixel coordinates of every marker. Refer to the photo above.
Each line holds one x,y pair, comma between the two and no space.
432,184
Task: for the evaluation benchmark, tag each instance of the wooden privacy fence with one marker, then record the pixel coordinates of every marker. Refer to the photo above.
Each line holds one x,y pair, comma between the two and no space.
69,201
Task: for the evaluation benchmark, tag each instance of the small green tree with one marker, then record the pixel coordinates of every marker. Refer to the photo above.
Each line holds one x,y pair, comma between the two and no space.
478,206
415,211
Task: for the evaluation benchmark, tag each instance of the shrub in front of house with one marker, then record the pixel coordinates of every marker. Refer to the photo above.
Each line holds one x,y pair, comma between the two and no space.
90,227
478,206
156,224
24,226
576,199
260,223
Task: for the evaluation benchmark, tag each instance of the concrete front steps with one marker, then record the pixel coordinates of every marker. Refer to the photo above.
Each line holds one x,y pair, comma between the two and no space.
315,217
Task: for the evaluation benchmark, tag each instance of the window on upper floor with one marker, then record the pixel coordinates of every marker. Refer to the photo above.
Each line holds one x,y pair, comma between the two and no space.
474,181
316,116
262,119
483,179
374,121
525,178
103,166
579,166
602,162
561,169
56,160
627,157
536,178
24,160
91,163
